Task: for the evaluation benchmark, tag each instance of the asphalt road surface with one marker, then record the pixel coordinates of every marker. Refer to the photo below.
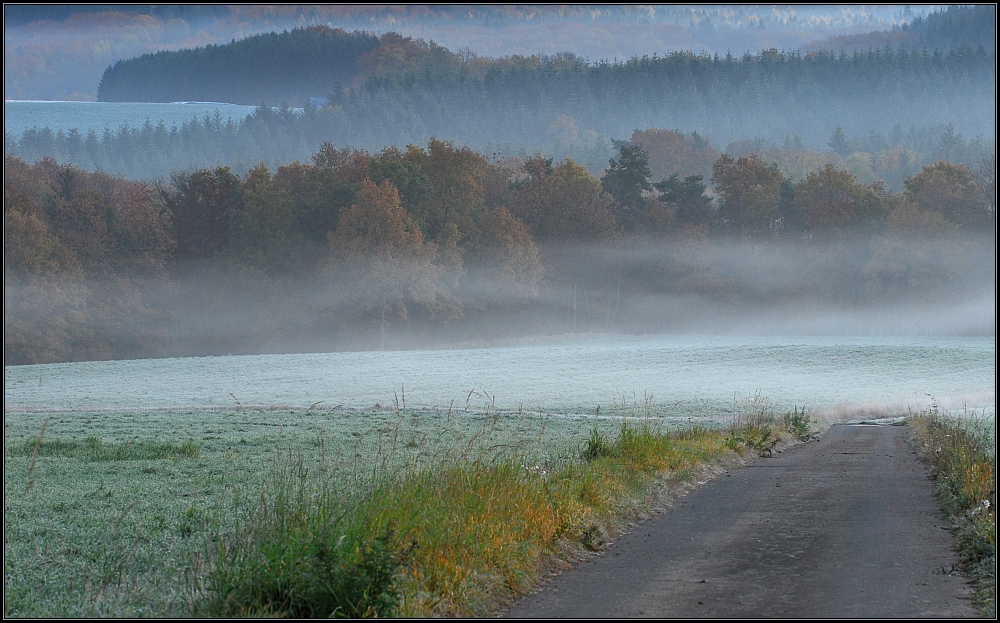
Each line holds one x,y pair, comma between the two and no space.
843,527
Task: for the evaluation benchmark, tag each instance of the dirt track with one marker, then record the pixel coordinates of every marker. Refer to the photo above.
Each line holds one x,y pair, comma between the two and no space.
843,527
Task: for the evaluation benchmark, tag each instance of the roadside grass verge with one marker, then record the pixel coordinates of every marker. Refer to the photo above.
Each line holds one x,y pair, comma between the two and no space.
961,450
460,533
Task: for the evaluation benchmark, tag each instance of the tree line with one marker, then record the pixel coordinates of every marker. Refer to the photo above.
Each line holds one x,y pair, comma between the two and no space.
356,249
279,136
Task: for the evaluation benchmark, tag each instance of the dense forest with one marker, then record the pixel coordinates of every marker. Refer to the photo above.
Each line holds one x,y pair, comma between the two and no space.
267,68
410,90
279,136
359,249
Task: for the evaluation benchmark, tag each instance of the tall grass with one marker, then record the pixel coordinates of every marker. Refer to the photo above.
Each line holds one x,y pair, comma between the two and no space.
756,427
962,452
458,533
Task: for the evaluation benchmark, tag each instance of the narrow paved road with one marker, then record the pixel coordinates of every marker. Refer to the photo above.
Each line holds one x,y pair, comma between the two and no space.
843,527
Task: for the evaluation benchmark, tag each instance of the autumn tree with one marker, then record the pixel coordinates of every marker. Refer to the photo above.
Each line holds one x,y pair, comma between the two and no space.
749,193
378,258
831,199
917,258
670,152
986,179
44,295
78,263
507,269
563,203
951,191
455,176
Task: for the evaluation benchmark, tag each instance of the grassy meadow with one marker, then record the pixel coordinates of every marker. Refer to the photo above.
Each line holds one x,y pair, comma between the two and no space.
319,512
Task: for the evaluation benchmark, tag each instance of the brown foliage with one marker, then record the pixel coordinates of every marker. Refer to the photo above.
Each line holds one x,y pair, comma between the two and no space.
832,199
750,191
951,191
507,269
669,152
378,257
78,260
567,204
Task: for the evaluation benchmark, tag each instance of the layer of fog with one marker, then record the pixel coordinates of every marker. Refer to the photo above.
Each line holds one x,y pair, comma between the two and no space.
924,287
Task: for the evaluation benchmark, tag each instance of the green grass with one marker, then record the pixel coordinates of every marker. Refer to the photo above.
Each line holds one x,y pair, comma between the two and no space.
94,449
318,512
962,452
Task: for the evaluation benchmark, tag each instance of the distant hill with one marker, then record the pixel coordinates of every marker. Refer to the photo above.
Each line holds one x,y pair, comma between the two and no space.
59,52
956,26
273,68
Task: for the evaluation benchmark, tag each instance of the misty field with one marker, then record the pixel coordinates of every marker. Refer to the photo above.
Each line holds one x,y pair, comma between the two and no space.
123,478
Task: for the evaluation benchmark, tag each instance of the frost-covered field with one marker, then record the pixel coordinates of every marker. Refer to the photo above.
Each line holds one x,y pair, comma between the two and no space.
685,375
19,116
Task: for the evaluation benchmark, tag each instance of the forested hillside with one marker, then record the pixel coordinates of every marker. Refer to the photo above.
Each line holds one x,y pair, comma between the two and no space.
268,68
956,26
408,90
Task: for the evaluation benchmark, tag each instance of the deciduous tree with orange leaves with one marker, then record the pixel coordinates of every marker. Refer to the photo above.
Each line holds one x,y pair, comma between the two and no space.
379,261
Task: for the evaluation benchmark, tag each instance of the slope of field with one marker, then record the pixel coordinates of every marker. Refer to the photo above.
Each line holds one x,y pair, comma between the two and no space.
696,376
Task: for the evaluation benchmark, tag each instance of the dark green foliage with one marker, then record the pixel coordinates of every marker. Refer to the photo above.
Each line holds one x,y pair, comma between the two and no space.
598,445
625,179
838,142
687,198
200,206
272,68
953,27
799,424
515,100
318,579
